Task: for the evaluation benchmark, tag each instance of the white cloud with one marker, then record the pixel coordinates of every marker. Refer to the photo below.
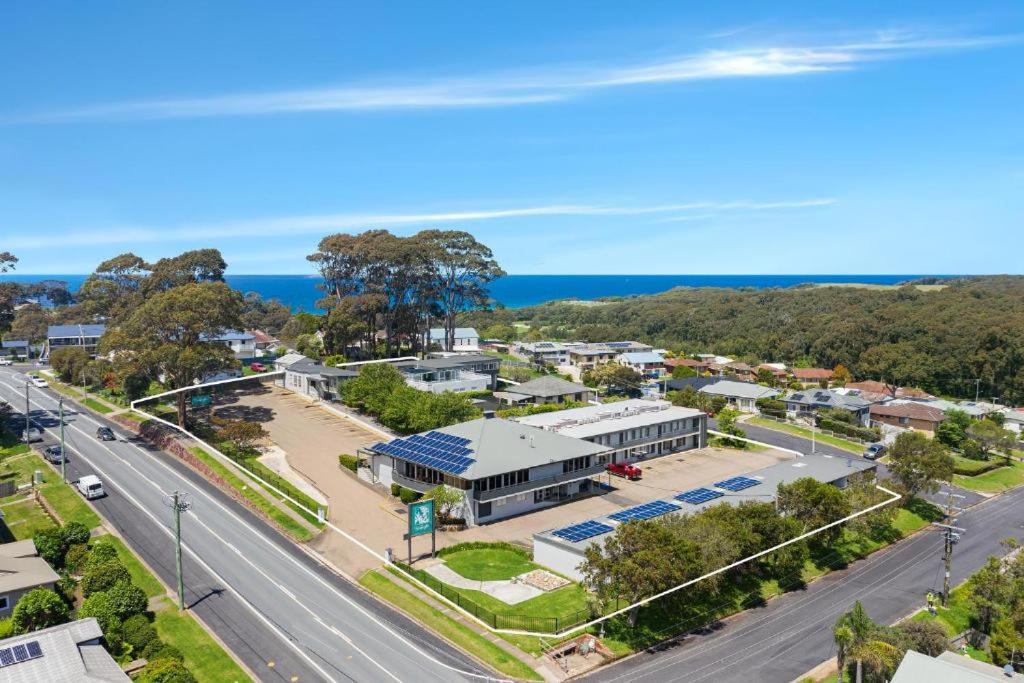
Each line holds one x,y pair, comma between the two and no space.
550,84
322,223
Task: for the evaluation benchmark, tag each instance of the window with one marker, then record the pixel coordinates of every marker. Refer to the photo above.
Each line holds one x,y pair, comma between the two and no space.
575,464
483,510
4,602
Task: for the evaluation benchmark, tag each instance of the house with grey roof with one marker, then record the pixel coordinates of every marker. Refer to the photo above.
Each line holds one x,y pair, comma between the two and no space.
82,336
647,363
21,570
503,468
306,376
813,400
950,667
544,352
466,339
740,395
451,372
547,389
69,653
15,348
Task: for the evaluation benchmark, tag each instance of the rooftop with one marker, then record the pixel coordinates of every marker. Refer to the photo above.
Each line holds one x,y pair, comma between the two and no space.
642,357
588,421
57,331
948,667
826,397
21,568
437,333
69,652
307,366
916,411
728,387
548,386
811,374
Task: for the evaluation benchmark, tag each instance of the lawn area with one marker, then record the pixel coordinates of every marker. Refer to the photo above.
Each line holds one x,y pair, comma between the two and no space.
453,631
22,519
995,481
280,517
66,502
140,575
488,564
93,404
204,657
851,446
273,478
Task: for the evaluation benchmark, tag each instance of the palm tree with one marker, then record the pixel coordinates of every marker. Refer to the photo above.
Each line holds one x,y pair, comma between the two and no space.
844,639
854,630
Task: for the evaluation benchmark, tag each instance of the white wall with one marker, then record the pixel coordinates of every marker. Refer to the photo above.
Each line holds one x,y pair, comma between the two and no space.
557,557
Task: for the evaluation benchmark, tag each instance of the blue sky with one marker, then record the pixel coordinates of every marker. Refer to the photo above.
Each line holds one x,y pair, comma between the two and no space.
586,137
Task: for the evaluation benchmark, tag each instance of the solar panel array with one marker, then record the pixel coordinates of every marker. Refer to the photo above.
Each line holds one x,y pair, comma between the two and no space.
698,496
444,452
582,531
21,652
737,483
655,508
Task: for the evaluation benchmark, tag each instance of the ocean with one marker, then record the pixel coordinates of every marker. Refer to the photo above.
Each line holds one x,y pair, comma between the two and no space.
516,291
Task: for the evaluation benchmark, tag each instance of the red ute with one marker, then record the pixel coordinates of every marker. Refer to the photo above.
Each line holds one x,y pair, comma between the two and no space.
622,469
258,367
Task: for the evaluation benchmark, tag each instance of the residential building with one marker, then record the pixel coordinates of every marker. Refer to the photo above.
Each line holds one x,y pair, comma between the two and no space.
21,570
909,415
812,375
283,362
312,379
647,363
242,344
740,371
778,371
466,339
14,348
712,358
82,336
589,356
503,468
973,410
547,389
69,653
634,429
870,389
544,352
451,372
1013,419
813,400
262,341
562,549
695,382
950,667
740,395
695,365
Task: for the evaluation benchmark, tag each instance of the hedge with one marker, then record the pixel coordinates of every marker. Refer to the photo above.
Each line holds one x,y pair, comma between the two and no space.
348,462
862,433
484,545
970,468
408,495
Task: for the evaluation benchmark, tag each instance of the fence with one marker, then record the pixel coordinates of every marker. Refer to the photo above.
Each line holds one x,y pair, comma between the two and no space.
495,620
818,430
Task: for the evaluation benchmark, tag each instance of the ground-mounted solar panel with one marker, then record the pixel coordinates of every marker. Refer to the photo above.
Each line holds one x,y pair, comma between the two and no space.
698,496
737,483
582,531
650,510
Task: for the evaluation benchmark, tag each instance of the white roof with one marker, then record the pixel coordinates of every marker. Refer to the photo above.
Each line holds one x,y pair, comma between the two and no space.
89,479
437,333
738,389
948,667
588,421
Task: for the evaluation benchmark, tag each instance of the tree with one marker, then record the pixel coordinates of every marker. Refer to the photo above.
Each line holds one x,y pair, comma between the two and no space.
992,437
896,364
841,376
104,576
343,326
99,607
953,430
189,268
30,323
269,315
369,391
500,331
814,504
1006,643
309,345
614,378
726,420
927,637
447,501
69,362
7,261
114,288
165,670
39,608
683,371
243,435
990,593
919,464
127,600
170,335
300,323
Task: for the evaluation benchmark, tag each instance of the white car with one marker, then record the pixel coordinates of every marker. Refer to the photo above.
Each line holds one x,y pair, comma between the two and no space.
90,486
6,361
39,382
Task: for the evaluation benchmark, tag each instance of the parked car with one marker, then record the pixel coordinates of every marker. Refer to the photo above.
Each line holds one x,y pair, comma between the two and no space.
624,469
55,455
105,434
90,486
257,367
6,361
39,381
31,435
874,451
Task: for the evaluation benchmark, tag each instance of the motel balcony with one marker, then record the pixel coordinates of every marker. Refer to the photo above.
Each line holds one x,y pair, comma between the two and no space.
492,494
467,381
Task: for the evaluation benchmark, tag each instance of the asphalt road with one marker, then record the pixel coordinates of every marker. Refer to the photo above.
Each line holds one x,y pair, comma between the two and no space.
265,598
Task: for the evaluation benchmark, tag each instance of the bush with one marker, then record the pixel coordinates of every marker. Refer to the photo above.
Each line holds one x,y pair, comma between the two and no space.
157,649
6,628
165,670
74,533
100,553
484,545
863,433
76,557
408,495
104,576
39,608
127,600
139,633
396,490
50,546
65,587
349,462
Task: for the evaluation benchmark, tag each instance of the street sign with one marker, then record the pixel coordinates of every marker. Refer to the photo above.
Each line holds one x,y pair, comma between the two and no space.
201,401
421,517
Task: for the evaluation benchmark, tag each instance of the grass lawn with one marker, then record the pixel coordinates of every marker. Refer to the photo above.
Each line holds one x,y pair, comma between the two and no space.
455,632
97,406
204,657
488,564
272,477
972,467
851,446
66,502
140,575
281,518
995,481
22,520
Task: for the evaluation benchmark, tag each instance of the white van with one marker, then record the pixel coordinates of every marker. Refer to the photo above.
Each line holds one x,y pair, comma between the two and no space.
90,486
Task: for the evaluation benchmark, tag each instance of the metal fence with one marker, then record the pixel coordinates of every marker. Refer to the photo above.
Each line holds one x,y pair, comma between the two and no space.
496,620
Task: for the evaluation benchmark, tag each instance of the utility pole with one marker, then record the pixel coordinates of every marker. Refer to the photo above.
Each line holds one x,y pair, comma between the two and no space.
977,388
179,504
950,533
63,458
27,419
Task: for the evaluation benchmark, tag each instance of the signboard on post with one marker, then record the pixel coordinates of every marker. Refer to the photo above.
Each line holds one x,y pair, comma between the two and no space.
421,522
201,401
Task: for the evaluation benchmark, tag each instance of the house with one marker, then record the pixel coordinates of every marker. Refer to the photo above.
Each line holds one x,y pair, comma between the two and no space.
813,400
589,356
21,570
456,372
909,415
695,365
740,371
60,654
262,341
82,336
14,348
503,468
695,382
870,389
312,379
1013,419
547,389
563,548
812,375
635,428
544,352
778,371
283,362
466,339
974,411
712,358
242,344
739,395
647,363
950,667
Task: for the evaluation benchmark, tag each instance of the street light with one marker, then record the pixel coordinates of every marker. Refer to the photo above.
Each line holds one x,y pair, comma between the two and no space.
178,502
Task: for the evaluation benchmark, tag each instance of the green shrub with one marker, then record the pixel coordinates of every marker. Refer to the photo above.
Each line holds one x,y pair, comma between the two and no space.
165,652
99,553
127,600
396,490
39,608
50,546
74,533
65,587
104,576
6,628
139,633
165,670
408,495
844,429
76,556
484,545
349,462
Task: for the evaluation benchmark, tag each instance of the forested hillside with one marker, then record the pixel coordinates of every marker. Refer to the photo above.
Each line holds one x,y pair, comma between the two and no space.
939,339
